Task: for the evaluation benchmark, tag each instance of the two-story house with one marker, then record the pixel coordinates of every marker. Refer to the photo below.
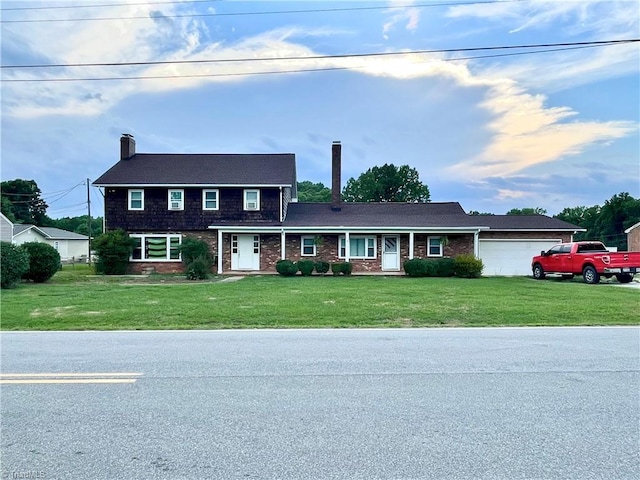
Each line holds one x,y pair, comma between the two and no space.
245,207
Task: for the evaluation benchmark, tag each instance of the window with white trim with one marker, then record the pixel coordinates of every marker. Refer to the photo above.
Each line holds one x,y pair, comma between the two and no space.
359,247
156,247
308,247
210,199
434,247
252,199
176,199
136,199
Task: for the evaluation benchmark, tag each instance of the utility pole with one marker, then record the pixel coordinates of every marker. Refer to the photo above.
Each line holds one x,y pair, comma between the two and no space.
89,220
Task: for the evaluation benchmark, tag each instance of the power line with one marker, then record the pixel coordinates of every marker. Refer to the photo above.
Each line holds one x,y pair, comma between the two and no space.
274,12
211,75
321,57
59,7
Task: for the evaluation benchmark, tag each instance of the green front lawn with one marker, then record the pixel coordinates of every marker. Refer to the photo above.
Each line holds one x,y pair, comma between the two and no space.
75,300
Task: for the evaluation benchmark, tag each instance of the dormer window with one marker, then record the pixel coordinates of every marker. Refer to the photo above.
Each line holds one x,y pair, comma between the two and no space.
252,199
176,199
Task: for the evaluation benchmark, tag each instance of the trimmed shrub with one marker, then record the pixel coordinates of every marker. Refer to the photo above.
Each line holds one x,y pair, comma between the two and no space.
13,264
347,268
199,269
286,268
468,266
336,268
193,248
113,250
322,267
344,268
44,261
416,267
443,267
306,267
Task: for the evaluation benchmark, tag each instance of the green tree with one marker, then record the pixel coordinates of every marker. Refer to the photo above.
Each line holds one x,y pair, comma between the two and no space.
387,183
475,212
7,209
605,223
113,250
313,192
26,204
527,211
77,224
616,215
584,217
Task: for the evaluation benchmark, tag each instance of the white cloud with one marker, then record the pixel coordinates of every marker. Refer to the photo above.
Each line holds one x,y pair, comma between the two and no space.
401,15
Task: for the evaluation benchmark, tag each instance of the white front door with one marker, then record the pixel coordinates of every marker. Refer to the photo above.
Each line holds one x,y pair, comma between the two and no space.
390,253
245,252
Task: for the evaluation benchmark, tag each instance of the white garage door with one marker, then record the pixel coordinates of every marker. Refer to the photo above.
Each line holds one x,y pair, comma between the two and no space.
511,257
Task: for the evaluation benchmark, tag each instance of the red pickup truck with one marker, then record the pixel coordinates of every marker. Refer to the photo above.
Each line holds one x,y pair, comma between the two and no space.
589,259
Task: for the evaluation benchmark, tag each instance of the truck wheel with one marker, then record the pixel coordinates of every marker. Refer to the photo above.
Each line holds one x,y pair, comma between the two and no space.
624,277
538,272
590,275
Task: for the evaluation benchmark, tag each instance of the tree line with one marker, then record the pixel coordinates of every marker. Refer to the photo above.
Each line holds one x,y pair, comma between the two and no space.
22,203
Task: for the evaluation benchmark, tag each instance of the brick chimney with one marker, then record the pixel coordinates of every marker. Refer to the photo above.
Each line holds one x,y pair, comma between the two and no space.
127,146
336,166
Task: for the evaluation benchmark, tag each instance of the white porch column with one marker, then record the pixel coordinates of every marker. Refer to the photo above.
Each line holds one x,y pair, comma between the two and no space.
219,252
411,244
347,249
476,243
283,245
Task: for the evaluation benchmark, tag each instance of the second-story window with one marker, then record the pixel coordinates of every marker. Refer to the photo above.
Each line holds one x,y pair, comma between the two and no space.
176,199
136,199
210,200
252,199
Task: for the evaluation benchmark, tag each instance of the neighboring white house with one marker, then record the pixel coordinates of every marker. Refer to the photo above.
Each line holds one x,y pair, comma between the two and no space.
70,245
6,229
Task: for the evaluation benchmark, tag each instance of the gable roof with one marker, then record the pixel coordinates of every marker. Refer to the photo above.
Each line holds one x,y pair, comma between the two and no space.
632,227
413,215
50,233
145,169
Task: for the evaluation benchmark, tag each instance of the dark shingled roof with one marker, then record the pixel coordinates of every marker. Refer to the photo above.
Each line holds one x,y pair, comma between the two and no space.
418,215
202,169
525,222
386,214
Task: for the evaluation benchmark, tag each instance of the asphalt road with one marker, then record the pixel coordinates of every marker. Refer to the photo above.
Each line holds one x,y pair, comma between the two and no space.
501,403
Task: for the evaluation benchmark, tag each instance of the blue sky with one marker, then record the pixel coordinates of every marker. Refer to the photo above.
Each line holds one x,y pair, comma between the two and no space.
550,130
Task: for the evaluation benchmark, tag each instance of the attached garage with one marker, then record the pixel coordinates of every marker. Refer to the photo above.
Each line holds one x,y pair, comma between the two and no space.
511,257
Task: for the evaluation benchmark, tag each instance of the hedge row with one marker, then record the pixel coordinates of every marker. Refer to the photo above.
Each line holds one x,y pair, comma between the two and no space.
463,266
35,261
288,268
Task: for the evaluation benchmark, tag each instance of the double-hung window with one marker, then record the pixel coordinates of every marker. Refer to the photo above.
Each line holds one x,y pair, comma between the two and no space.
308,247
136,200
434,247
176,199
156,247
210,200
359,247
252,199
